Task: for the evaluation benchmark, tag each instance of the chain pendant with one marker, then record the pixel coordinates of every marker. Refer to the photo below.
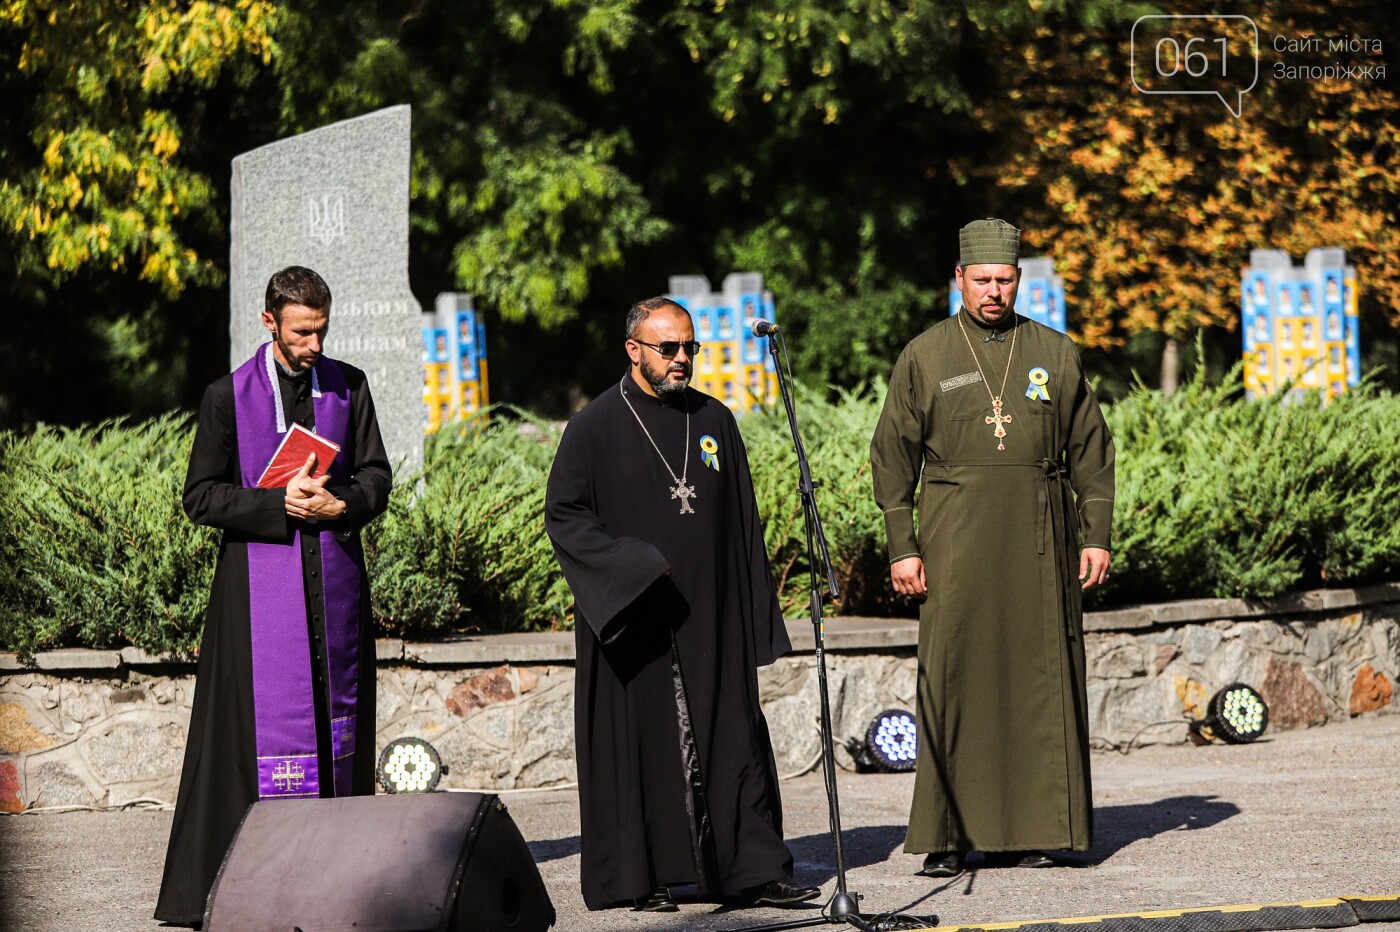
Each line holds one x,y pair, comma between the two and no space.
999,419
685,493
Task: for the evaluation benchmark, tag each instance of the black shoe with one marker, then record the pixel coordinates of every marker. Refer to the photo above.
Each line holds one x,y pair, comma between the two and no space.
660,901
780,893
942,865
1036,859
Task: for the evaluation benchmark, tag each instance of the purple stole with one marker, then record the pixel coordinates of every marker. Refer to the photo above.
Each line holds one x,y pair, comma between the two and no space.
284,709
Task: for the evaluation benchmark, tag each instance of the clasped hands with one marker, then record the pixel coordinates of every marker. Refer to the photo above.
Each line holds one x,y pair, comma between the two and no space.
308,500
907,575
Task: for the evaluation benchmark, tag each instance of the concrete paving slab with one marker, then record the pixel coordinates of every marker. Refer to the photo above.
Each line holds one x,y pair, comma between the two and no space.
1298,816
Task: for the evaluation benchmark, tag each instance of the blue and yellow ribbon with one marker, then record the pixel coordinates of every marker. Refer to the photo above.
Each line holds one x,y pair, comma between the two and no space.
709,452
1037,390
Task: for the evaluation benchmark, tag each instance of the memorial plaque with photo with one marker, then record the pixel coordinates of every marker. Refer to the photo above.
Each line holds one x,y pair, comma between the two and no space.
336,200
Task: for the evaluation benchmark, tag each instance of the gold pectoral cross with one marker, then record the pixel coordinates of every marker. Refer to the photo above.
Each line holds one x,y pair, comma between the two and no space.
999,419
685,493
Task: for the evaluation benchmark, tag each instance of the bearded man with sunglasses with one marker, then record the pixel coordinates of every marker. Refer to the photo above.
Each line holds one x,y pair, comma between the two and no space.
651,511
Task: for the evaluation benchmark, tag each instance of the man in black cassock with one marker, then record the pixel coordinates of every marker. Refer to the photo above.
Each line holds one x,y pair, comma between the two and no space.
651,511
284,692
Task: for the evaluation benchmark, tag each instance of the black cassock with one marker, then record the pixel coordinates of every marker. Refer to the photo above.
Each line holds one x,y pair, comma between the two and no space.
674,614
220,778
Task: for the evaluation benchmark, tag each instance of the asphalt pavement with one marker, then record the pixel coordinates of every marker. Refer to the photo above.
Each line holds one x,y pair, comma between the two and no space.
1297,816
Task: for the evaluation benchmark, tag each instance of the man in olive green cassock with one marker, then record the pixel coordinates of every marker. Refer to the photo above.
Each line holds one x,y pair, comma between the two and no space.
991,432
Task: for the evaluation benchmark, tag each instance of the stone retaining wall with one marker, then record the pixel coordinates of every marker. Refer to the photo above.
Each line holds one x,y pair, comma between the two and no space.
91,727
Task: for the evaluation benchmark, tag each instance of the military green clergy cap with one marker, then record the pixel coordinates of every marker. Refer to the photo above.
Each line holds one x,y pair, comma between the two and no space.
989,242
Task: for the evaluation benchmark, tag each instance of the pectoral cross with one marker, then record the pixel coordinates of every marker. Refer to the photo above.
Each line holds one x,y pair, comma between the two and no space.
685,493
999,419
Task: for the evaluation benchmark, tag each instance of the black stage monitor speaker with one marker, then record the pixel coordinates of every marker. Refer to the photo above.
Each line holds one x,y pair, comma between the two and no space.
440,861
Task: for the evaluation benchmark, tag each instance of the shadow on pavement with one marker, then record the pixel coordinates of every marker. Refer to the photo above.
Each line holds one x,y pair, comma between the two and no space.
554,849
815,861
1116,827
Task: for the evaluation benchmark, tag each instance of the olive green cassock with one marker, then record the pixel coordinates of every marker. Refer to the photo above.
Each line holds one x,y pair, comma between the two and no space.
1003,760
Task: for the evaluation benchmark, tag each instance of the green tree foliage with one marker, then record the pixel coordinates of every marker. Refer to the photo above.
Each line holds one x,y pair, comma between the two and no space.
464,548
100,183
569,155
95,546
519,196
1216,497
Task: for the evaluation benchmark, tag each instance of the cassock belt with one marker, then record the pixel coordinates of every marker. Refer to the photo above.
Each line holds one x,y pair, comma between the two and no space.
1051,470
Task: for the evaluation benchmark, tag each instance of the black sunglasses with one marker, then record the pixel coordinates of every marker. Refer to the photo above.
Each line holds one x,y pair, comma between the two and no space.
670,348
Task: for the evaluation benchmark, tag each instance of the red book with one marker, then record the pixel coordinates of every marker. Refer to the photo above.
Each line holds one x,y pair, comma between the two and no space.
297,444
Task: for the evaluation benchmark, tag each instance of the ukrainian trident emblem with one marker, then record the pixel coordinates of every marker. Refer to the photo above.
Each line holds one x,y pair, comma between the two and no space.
325,220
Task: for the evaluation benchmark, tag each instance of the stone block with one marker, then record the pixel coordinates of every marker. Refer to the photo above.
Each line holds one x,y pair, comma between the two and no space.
136,748
79,658
1385,642
481,690
1192,694
1370,692
786,676
792,723
127,695
11,794
336,200
1236,662
81,702
1163,654
545,726
1293,700
478,754
171,692
1317,645
17,733
57,784
1198,642
389,699
1124,708
1124,661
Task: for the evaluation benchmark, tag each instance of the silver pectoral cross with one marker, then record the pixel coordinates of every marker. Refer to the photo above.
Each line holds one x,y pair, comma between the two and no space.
685,493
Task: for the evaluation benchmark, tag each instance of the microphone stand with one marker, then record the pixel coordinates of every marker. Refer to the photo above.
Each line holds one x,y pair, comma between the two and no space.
844,907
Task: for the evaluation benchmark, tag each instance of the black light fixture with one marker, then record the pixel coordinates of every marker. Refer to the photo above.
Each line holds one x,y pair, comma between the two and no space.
1237,714
891,743
410,765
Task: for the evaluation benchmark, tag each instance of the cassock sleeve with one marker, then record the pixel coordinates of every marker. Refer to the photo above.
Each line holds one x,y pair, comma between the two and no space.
214,495
367,494
769,633
605,573
896,459
1090,457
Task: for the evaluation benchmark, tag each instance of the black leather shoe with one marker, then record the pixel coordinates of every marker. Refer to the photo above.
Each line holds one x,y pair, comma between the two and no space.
1036,859
660,901
942,865
780,893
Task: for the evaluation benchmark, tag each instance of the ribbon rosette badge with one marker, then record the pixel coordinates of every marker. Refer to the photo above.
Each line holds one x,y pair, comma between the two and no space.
709,452
1036,390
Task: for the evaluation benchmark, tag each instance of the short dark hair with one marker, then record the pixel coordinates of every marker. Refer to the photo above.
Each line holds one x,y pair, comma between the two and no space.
644,309
296,285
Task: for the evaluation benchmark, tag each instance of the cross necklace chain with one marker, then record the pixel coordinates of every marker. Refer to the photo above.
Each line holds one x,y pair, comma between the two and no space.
680,490
997,418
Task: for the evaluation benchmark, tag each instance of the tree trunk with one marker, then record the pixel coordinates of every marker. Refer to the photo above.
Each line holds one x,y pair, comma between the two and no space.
1171,367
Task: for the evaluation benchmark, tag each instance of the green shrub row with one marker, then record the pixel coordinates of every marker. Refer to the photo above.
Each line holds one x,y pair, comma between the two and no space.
1216,497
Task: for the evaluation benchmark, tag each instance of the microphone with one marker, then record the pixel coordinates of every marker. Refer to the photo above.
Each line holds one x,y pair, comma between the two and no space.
762,328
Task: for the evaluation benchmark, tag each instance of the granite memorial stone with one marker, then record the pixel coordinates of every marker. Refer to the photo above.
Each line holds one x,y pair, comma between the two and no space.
336,200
